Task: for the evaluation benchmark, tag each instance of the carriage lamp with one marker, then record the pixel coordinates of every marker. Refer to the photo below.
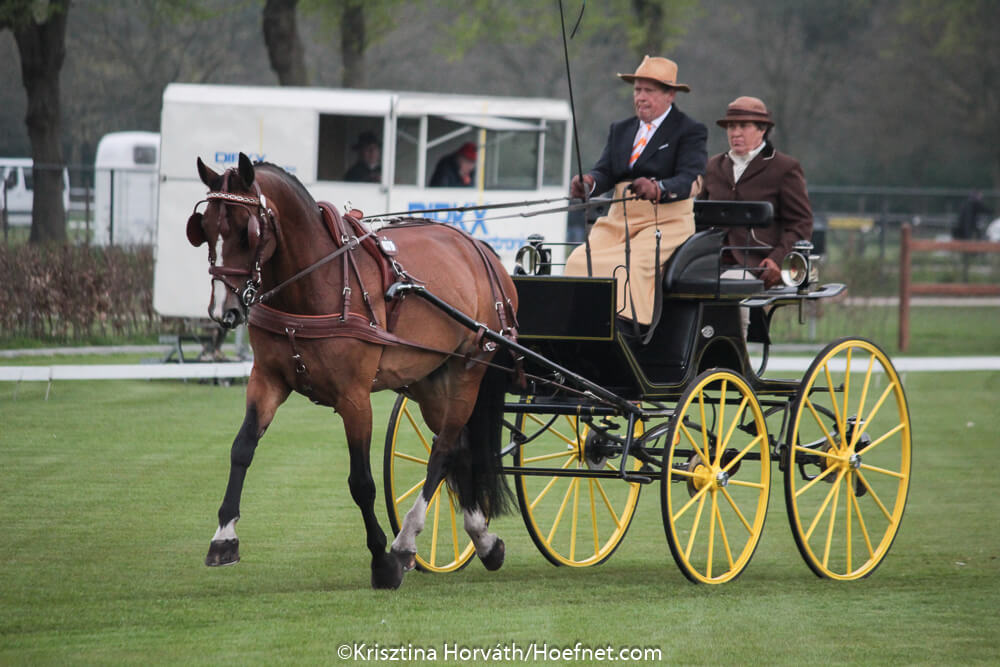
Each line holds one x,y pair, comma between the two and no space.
800,267
532,259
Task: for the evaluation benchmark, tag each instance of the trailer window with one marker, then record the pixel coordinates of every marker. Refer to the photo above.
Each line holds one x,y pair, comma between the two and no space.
343,141
407,150
144,154
509,149
555,141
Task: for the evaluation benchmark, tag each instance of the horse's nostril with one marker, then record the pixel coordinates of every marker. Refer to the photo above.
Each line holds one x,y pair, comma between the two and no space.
231,318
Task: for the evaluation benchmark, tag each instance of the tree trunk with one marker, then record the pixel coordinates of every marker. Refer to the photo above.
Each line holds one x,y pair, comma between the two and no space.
650,16
284,45
352,44
42,47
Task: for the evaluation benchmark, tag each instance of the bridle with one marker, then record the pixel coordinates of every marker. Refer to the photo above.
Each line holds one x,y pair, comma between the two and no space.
262,223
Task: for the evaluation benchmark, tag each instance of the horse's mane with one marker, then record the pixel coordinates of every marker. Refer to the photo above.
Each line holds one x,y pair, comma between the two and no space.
295,182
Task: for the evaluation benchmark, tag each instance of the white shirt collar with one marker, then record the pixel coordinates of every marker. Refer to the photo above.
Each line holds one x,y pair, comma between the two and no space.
659,119
740,162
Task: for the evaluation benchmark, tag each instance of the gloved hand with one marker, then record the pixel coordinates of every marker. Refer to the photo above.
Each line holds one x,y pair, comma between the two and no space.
580,189
770,274
646,189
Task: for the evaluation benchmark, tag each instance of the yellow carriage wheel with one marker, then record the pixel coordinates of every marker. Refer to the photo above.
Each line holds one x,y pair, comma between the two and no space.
717,478
848,470
443,545
574,521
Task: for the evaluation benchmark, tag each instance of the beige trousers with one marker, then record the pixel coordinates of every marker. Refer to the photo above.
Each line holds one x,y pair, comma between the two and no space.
636,289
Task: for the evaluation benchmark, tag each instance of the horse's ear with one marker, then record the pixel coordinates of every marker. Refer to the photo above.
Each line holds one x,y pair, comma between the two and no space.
246,171
208,176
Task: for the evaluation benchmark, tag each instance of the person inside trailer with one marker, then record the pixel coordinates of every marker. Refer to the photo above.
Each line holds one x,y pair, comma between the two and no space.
368,167
658,156
456,170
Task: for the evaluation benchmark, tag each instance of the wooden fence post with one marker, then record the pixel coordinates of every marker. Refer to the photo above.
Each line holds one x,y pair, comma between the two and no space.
904,287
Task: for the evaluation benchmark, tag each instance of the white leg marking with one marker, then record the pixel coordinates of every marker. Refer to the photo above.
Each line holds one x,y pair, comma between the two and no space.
413,523
227,532
478,530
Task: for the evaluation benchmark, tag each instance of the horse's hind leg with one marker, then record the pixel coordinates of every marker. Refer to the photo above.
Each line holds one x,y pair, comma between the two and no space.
225,546
405,544
489,547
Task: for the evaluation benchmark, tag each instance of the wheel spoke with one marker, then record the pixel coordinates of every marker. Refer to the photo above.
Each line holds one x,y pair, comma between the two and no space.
833,520
813,481
861,404
407,457
419,485
833,398
891,473
878,501
697,521
562,507
822,508
704,424
849,485
607,503
593,516
861,524
711,534
819,422
732,503
847,386
752,485
739,457
434,526
722,533
700,493
878,404
417,430
575,519
721,420
549,457
882,438
736,421
687,434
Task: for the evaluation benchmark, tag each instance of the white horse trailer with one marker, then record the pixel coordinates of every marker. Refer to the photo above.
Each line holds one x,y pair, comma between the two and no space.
523,154
125,188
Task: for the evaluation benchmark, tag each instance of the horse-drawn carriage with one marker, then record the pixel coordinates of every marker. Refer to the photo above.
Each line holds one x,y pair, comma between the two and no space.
590,411
687,409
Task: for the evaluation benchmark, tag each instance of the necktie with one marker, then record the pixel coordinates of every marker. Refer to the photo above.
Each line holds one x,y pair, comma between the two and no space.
640,143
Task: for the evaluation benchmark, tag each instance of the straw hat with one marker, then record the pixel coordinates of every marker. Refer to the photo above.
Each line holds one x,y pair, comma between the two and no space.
744,109
657,69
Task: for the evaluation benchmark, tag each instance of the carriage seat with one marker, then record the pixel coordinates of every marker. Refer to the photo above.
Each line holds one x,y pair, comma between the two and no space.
693,269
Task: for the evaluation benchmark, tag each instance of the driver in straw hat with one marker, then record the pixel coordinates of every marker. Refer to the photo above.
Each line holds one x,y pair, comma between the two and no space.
658,154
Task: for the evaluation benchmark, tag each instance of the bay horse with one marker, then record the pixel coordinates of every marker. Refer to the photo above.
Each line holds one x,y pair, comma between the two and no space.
307,261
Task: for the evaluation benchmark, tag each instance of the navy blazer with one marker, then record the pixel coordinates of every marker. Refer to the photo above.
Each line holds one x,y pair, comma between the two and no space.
675,155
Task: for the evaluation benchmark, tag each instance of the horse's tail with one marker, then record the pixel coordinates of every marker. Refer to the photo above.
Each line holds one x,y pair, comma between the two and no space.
478,475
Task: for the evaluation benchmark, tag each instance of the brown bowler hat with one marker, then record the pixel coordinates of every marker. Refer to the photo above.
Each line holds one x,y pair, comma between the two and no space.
744,109
657,69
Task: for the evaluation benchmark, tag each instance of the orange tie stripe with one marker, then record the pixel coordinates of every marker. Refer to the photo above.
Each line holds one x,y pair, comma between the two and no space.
640,144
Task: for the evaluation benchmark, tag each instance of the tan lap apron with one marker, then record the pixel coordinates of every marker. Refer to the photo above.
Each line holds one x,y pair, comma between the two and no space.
607,248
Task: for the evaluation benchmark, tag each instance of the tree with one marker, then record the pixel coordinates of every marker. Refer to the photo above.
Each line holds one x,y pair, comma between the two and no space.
284,44
40,32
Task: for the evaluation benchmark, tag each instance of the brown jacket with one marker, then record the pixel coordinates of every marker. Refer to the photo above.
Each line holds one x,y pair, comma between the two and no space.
773,177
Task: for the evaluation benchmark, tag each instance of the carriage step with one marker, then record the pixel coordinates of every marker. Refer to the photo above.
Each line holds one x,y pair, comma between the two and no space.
637,479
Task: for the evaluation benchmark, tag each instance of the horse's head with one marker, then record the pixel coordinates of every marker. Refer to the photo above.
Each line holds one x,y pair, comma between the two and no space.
239,226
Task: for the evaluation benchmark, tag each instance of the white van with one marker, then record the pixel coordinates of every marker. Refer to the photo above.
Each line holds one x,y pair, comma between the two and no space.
125,188
17,192
523,148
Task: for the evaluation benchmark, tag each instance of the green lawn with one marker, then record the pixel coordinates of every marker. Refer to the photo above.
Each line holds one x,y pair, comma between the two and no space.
108,495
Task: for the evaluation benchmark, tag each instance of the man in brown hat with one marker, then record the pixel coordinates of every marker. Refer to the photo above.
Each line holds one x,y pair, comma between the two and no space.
658,154
752,170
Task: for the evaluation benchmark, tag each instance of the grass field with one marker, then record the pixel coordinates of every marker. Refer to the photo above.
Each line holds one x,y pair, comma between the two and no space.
108,495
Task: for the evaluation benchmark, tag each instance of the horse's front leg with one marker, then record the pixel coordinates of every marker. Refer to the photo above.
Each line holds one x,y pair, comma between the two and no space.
261,406
387,571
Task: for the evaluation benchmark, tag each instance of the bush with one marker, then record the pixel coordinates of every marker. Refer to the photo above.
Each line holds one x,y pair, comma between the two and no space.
73,294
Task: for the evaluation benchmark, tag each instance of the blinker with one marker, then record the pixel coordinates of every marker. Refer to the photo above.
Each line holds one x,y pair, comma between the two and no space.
195,232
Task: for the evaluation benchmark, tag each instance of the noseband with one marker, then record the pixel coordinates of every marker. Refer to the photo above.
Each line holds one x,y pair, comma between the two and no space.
259,212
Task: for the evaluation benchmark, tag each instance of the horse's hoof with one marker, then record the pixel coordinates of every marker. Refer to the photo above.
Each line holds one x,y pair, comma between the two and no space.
407,559
494,559
387,573
223,552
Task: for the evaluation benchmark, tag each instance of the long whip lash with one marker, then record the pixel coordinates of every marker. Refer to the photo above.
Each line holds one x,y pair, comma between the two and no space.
572,109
